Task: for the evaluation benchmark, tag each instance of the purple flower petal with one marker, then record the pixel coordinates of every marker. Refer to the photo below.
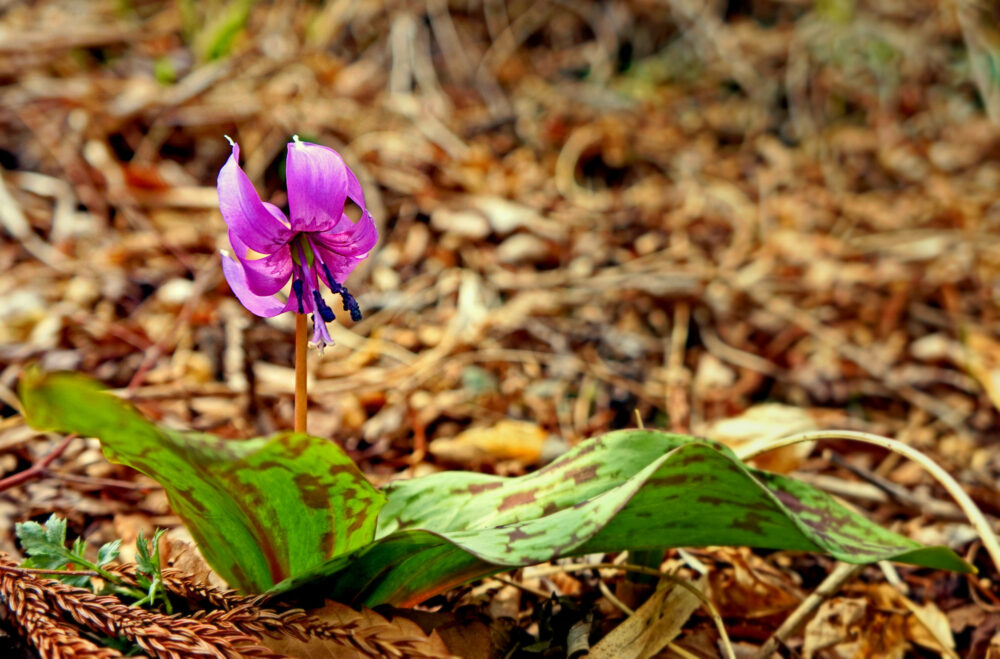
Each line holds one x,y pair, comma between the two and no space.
341,252
244,212
354,191
265,306
318,183
356,239
267,275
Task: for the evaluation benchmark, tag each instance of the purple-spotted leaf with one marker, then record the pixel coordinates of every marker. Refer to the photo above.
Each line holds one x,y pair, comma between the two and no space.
636,489
262,510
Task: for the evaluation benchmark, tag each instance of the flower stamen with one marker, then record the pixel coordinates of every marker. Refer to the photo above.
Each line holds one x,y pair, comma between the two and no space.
297,289
350,304
324,311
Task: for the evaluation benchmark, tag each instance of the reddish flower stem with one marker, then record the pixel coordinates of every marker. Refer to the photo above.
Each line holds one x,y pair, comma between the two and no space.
300,372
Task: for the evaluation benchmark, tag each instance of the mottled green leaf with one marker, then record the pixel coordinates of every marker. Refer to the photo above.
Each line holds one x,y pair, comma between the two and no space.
294,509
261,509
636,489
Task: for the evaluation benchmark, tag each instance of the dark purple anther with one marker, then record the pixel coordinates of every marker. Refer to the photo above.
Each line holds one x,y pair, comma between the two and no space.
324,311
297,289
350,304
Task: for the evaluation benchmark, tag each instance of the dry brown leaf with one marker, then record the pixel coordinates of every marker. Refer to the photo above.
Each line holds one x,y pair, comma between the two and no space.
982,360
762,423
179,551
882,623
127,527
926,625
846,627
994,650
969,615
520,441
752,588
505,603
929,627
468,633
651,627
471,641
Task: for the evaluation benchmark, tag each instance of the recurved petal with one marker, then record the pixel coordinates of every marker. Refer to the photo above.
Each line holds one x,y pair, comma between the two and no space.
341,253
354,191
355,241
340,267
265,275
265,306
318,183
244,212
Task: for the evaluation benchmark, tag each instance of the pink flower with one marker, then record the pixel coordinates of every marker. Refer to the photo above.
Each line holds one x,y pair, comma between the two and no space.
316,243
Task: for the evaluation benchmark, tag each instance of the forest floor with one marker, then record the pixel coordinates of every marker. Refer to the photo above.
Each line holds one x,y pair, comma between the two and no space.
738,225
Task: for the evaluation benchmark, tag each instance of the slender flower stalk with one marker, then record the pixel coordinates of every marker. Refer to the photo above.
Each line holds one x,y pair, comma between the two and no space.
316,243
301,397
